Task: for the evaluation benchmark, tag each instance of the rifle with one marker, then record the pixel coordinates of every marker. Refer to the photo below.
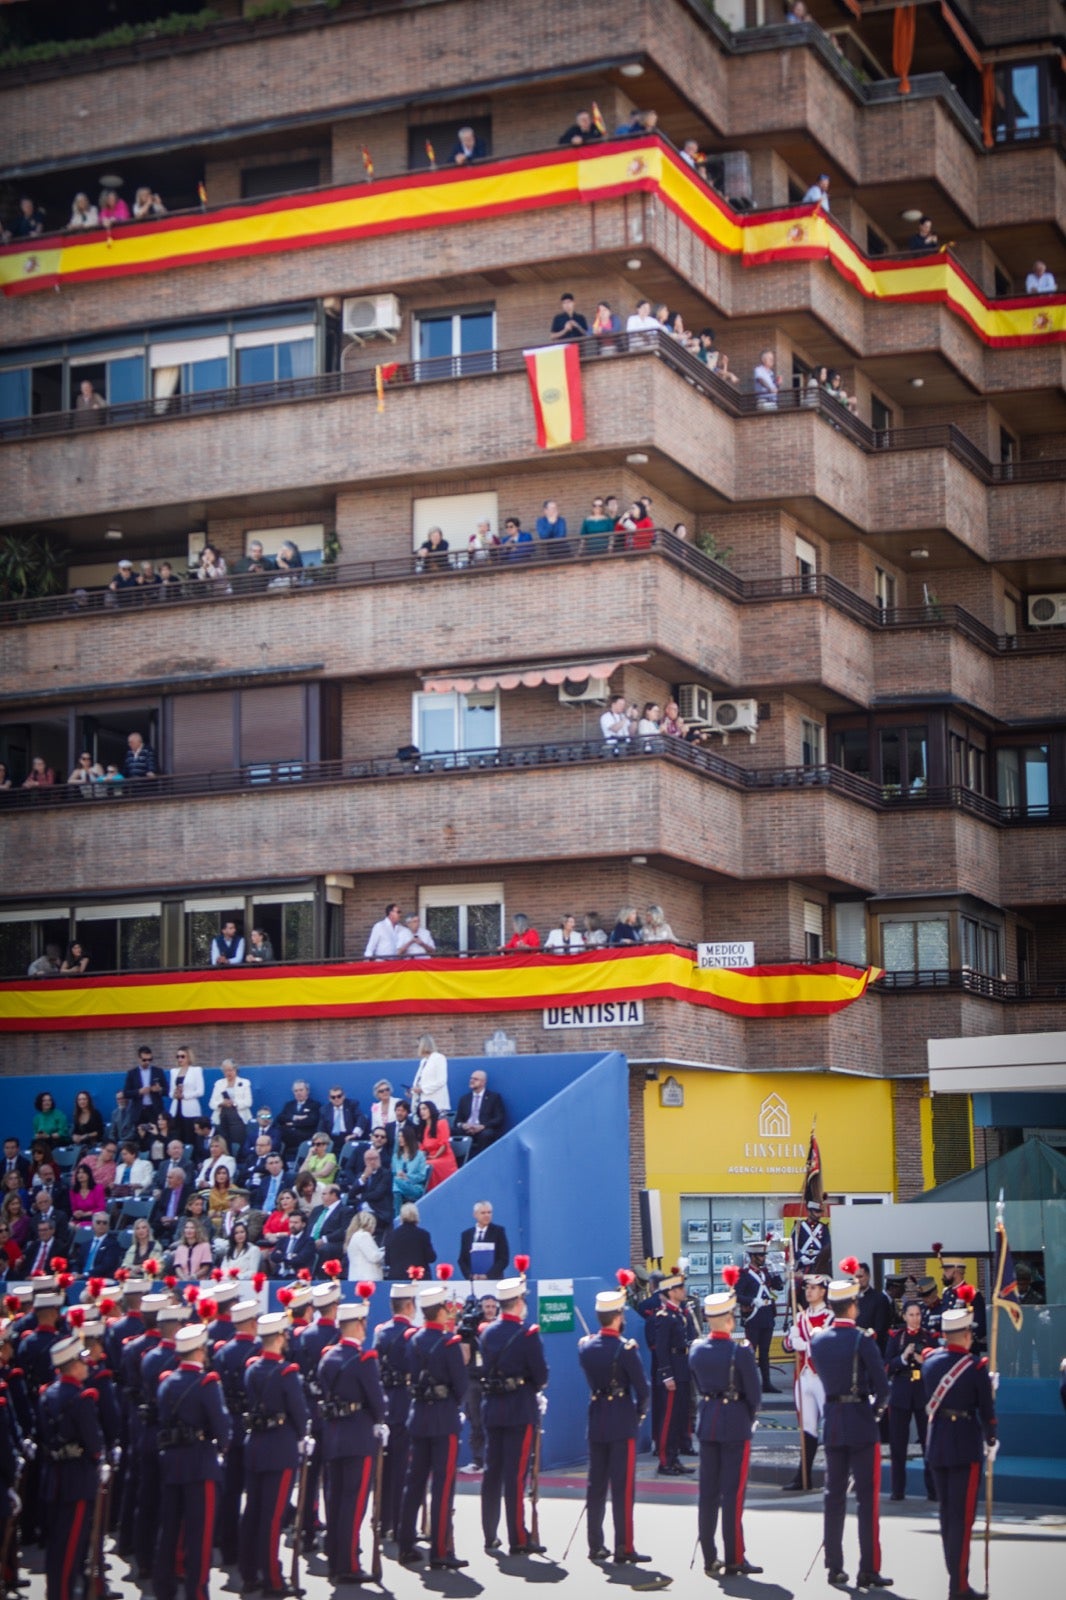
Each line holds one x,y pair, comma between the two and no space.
375,1558
298,1529
534,1489
94,1560
790,1268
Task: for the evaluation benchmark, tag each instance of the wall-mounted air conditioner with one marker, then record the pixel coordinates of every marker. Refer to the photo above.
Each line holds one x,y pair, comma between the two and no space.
584,692
695,702
1047,610
376,314
736,716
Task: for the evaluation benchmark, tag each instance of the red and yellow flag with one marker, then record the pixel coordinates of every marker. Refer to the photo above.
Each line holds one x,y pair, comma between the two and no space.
431,154
382,375
368,165
555,384
201,189
597,119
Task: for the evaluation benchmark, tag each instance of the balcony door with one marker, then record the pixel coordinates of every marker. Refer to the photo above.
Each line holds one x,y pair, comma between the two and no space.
455,343
447,724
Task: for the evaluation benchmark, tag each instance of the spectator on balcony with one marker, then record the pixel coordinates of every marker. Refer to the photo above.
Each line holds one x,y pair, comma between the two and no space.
140,759
147,205
48,965
641,320
650,719
581,131
1040,280
169,579
566,939
834,388
213,571
627,929
87,402
605,323
550,525
714,358
514,536
818,193
433,552
86,773
925,238
482,542
568,323
595,531
260,952
383,943
614,723
288,559
656,928
148,577
83,214
675,327
693,157
767,383
594,932
413,939
797,12
636,123
673,723
524,937
637,526
255,560
468,147
124,582
30,222
227,947
112,208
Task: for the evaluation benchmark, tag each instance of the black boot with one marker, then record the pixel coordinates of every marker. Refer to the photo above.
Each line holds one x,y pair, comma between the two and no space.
810,1450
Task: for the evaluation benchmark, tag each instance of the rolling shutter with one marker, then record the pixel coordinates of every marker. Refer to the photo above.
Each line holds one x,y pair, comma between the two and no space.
202,737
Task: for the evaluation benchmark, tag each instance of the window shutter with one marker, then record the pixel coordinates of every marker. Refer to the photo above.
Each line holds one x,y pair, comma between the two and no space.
202,739
273,724
812,917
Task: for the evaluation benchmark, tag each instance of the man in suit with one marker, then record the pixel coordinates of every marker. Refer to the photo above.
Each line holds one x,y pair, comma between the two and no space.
475,1260
262,1123
99,1254
875,1308
175,1158
327,1225
295,1252
168,1212
265,1184
297,1119
480,1113
15,1161
145,1086
46,1207
254,1163
41,1250
372,1189
341,1119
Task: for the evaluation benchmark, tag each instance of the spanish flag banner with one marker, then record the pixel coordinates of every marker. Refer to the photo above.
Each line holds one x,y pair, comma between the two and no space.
555,384
410,988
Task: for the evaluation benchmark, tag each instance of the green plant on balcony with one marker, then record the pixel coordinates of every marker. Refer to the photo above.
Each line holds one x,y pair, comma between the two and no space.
30,566
177,23
713,550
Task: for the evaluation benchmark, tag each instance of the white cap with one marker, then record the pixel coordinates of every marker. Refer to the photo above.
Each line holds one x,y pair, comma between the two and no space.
720,1304
325,1294
244,1311
224,1293
19,1291
173,1313
401,1291
841,1290
302,1295
610,1300
44,1284
64,1351
153,1303
191,1338
957,1320
353,1311
92,1328
135,1286
49,1300
510,1289
273,1322
434,1294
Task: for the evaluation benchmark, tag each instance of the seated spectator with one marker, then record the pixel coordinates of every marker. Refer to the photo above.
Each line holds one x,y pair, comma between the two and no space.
10,1252
83,214
14,1161
260,952
550,525
433,552
436,1144
341,1120
925,238
46,1206
568,323
147,205
102,1163
100,1253
230,1105
328,1223
218,1157
818,193
627,928
30,222
292,1250
513,536
304,1189
604,323
364,1254
227,947
40,1156
767,382
1040,280
614,724
218,1193
265,1184
262,1124
174,1161
656,928
641,320
371,1188
86,773
140,759
524,937
142,1248
714,358
650,719
41,776
410,1169
15,1217
242,1257
277,1221
383,1111
408,1246
199,1141
49,1121
566,939
320,1161
637,526
112,208
212,570
133,1174
297,1119
86,1124
480,1114
414,940
581,131
191,1258
169,1209
595,934
44,1245
482,542
468,147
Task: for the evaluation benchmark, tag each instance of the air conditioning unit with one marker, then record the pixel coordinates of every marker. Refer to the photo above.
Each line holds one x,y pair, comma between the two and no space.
376,314
584,692
1047,610
695,702
736,716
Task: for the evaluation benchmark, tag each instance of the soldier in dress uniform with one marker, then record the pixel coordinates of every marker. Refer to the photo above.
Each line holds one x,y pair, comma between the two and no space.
352,1409
514,1372
75,1470
847,1360
810,1396
194,1432
156,1362
229,1361
960,1408
391,1340
224,1295
907,1349
726,1377
306,1347
756,1289
930,1302
90,1326
646,1310
18,1299
43,1331
812,1250
438,1384
277,1439
15,1447
954,1268
128,1372
671,1338
618,1400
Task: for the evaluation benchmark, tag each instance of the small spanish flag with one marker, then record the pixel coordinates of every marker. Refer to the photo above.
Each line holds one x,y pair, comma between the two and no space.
201,190
555,384
368,165
382,374
597,119
431,154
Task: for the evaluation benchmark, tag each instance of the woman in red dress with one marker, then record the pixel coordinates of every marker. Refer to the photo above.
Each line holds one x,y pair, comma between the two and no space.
436,1144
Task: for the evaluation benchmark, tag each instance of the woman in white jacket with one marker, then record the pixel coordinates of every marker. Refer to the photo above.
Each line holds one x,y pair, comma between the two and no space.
241,1254
186,1093
431,1079
364,1255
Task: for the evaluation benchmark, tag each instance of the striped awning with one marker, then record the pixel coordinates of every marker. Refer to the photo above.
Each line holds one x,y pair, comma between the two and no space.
528,674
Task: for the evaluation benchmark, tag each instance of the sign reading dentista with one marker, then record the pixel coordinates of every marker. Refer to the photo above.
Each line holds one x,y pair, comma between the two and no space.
738,954
598,1014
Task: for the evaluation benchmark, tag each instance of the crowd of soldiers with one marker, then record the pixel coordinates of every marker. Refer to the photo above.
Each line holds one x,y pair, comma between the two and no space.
186,1423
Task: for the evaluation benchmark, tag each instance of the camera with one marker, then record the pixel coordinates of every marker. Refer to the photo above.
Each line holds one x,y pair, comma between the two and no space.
470,1320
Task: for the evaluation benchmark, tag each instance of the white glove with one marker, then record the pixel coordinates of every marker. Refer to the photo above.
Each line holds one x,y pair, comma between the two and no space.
994,1380
103,1474
116,1455
14,1504
381,1434
754,1425
306,1447
29,1448
542,1403
992,1450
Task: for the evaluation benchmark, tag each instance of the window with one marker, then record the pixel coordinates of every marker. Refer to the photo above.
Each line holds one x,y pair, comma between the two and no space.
117,376
123,938
204,917
468,338
446,723
1010,615
918,944
1020,94
24,935
980,944
904,760
880,415
268,355
813,743
189,366
48,737
849,917
884,589
806,558
851,750
464,917
813,934
1022,779
289,922
104,732
967,763
283,177
31,391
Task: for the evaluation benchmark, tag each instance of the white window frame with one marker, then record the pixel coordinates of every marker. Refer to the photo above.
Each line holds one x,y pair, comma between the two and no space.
884,589
813,733
462,895
454,695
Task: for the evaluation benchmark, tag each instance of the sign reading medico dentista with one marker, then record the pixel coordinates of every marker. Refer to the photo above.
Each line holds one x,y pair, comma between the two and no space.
555,1305
741,954
597,1014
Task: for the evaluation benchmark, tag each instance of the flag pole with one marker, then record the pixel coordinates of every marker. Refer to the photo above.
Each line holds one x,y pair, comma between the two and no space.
796,1358
993,1372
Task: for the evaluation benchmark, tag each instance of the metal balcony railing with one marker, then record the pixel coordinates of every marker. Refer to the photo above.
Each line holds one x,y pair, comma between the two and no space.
965,980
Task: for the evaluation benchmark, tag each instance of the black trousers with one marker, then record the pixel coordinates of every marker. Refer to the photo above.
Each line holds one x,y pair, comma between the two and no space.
957,1490
508,1454
612,1466
434,1458
899,1434
266,1496
66,1542
863,1462
723,1481
348,1482
186,1528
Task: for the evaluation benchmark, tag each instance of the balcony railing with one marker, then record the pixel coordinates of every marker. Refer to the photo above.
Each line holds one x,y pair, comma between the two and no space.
289,775
965,980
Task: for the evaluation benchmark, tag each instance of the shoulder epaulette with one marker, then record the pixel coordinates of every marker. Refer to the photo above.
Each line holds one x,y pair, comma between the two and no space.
868,1333
251,1361
453,1340
369,1355
210,1377
90,1394
534,1327
409,1333
662,1312
292,1367
983,1361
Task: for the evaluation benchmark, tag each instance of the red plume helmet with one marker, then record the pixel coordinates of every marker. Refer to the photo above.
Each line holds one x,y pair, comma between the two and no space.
192,1294
623,1277
106,1306
416,1274
60,1263
285,1296
151,1267
304,1274
730,1275
96,1288
258,1281
216,1274
65,1280
365,1290
207,1308
233,1272
935,1248
965,1292
332,1269
521,1265
171,1281
445,1271
76,1316
121,1274
849,1266
13,1304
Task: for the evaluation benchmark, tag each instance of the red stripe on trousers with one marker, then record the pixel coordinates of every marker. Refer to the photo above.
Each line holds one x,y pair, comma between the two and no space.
208,1540
520,1486
875,1507
72,1544
738,1525
631,1472
360,1513
967,1526
445,1529
274,1557
664,1427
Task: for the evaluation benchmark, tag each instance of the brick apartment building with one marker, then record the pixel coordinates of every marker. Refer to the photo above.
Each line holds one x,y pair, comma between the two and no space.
857,590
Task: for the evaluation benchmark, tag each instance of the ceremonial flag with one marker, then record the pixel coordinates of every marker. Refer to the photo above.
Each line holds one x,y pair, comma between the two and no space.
812,1177
368,165
597,119
201,190
1005,1293
555,384
431,154
382,374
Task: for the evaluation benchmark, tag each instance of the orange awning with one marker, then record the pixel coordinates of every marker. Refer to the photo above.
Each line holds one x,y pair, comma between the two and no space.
527,675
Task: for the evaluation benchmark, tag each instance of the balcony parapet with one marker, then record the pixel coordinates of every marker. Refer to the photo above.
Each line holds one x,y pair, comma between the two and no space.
964,980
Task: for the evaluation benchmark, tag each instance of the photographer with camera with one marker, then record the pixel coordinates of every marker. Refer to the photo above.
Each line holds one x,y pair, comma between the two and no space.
476,1315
